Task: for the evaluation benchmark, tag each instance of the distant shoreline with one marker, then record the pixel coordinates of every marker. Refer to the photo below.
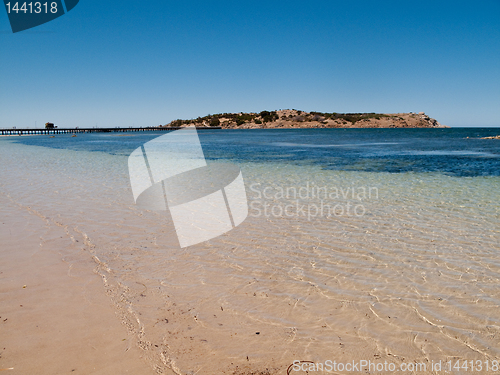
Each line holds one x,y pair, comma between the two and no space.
296,119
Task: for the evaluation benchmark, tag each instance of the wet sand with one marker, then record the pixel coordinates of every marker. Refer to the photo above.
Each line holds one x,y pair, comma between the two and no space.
55,315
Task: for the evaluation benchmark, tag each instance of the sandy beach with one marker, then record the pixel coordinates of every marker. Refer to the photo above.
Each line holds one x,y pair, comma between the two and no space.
55,315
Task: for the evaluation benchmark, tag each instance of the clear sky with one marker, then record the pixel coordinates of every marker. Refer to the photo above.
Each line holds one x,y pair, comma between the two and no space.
143,63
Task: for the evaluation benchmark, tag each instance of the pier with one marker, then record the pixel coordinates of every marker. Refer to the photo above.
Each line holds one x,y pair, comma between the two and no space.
92,130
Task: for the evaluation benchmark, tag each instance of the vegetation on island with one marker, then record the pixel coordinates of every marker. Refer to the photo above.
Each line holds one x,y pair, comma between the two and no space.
294,118
270,116
238,118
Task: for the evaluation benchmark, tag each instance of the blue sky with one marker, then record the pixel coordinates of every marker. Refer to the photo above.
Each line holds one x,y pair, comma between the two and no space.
143,63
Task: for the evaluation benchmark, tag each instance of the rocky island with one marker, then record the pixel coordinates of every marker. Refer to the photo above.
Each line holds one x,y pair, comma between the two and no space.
293,118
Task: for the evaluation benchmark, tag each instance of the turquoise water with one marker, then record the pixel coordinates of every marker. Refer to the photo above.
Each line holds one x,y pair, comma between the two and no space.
412,275
456,152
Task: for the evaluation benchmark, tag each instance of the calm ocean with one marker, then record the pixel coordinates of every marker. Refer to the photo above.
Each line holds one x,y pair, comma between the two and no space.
455,152
361,244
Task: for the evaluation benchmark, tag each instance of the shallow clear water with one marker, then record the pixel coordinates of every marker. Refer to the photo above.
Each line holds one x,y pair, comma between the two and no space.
360,244
457,152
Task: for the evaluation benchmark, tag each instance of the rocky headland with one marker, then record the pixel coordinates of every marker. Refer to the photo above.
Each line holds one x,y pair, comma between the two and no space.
292,118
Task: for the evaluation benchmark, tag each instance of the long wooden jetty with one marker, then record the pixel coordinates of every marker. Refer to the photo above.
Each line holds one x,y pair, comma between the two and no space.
14,131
